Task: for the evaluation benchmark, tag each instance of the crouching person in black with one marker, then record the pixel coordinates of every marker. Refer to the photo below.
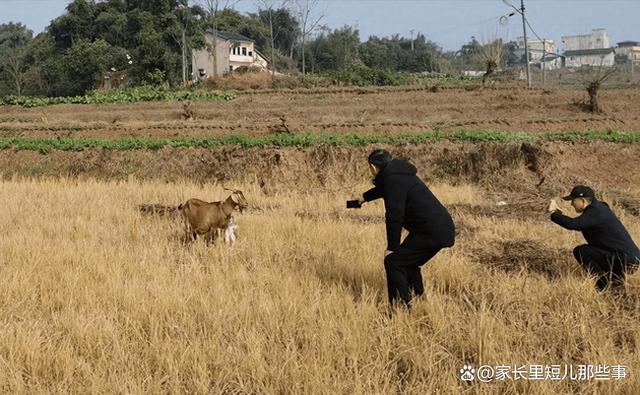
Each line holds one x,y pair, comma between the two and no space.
610,251
409,204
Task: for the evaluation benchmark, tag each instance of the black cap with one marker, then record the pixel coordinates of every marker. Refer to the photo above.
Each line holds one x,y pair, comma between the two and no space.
379,157
580,191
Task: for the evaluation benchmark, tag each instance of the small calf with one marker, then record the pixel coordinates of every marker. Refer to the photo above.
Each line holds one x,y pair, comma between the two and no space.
207,218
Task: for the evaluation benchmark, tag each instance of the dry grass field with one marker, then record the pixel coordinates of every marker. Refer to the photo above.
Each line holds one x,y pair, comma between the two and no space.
99,297
96,297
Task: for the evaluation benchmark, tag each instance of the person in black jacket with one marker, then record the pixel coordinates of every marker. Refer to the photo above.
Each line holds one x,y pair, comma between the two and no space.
409,204
610,251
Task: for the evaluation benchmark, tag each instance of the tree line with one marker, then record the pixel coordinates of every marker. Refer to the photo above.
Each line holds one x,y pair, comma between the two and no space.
146,39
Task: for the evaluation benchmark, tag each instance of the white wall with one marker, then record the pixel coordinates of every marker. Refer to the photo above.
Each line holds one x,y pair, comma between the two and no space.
590,60
597,39
203,59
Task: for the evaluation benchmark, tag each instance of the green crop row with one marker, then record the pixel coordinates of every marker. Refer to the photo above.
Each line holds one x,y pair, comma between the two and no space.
46,144
130,95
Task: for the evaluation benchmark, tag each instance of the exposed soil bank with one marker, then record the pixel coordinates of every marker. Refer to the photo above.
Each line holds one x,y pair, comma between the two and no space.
504,166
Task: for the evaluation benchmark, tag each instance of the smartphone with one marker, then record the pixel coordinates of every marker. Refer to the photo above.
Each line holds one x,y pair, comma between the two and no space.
353,204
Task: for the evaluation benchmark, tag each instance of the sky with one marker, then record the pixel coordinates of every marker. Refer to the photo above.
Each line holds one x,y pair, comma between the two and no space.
449,23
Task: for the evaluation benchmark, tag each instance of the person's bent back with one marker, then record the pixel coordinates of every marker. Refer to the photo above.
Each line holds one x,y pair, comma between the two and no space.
610,251
409,204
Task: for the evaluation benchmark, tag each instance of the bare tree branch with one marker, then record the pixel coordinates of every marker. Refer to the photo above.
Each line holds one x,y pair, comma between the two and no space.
13,60
594,83
269,6
489,56
308,23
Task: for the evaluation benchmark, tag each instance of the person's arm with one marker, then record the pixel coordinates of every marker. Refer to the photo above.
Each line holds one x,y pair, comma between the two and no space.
585,220
395,200
372,194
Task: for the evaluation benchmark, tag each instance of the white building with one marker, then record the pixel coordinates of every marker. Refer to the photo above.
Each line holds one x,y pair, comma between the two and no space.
232,51
590,57
598,39
537,50
630,49
588,49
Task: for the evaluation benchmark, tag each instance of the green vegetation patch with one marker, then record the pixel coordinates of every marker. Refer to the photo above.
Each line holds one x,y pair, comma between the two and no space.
46,144
130,95
361,75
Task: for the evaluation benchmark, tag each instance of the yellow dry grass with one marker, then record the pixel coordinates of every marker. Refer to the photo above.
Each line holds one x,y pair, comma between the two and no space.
96,297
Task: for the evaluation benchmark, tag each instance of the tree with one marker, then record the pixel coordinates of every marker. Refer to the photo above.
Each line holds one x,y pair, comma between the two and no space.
77,23
509,54
150,31
14,38
286,29
344,44
82,66
268,14
334,49
377,53
595,78
489,57
308,24
401,53
318,51
468,52
42,58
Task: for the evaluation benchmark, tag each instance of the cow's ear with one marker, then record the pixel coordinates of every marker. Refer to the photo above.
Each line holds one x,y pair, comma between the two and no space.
234,197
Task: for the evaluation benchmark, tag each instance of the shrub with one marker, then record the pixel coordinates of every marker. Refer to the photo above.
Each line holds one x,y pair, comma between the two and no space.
129,95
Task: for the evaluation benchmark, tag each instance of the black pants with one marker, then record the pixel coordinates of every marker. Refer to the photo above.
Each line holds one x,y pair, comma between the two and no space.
403,267
608,267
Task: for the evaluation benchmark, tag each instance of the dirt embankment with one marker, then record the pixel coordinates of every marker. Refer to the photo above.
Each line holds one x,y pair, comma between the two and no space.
498,166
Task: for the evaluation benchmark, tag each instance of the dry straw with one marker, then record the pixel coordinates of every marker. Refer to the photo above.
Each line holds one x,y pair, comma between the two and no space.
96,297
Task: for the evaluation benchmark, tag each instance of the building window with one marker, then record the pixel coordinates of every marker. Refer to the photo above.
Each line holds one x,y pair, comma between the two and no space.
230,68
250,53
244,51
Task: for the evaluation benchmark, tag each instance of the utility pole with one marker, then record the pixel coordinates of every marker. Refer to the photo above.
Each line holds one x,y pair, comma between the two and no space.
526,44
542,63
184,57
411,40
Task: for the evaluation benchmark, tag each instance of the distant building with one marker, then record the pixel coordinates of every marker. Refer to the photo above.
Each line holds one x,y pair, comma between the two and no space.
232,52
588,49
541,52
630,49
598,39
536,48
590,57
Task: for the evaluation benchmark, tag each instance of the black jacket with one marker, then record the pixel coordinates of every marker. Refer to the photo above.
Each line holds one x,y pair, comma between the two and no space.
410,204
601,228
